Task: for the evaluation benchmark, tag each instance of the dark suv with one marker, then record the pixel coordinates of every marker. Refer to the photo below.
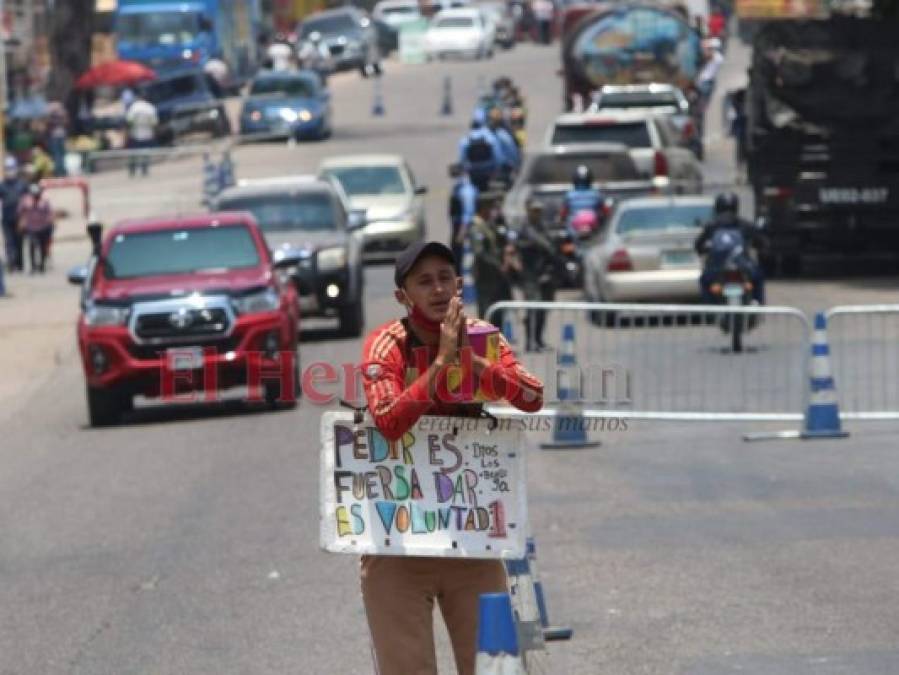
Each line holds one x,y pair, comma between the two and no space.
316,241
187,101
349,34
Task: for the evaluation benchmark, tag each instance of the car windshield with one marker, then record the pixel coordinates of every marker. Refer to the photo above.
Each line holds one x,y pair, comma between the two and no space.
172,88
306,211
329,25
663,217
158,28
300,87
641,99
369,180
207,249
632,134
454,22
547,169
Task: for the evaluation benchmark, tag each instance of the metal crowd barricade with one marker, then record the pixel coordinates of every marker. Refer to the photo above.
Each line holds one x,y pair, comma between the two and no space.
668,361
864,352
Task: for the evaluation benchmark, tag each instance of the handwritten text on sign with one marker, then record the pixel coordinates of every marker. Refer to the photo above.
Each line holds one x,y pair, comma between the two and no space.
448,487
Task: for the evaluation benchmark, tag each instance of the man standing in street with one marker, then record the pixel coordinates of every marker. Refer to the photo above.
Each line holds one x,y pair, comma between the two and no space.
538,276
480,152
142,121
11,190
492,264
462,206
405,369
36,225
543,14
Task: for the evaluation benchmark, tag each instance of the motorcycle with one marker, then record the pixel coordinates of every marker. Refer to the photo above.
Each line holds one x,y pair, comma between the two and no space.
732,286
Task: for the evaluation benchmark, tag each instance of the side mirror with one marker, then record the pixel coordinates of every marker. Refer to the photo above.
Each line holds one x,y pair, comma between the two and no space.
421,189
78,275
357,219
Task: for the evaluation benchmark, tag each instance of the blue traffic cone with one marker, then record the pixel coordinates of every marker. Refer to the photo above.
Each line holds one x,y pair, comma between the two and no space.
497,638
377,107
210,180
822,419
226,171
569,428
550,633
469,293
446,109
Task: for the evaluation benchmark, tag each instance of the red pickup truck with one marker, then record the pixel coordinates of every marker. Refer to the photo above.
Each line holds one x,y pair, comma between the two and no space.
182,308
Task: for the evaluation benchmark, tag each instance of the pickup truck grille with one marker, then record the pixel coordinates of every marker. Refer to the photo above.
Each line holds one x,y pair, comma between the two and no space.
179,321
182,324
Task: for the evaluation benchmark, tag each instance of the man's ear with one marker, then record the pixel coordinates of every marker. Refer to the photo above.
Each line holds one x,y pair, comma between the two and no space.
400,296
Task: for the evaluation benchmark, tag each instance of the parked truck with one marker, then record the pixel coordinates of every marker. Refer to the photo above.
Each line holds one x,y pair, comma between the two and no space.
822,136
625,43
166,34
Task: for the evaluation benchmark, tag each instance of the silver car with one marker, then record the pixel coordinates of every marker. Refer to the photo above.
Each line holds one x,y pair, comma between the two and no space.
384,187
646,254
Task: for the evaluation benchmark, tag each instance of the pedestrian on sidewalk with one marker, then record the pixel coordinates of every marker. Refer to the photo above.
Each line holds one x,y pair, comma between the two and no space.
11,191
36,225
142,122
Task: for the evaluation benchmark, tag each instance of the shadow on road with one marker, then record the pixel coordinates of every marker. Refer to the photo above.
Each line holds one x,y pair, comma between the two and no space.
187,412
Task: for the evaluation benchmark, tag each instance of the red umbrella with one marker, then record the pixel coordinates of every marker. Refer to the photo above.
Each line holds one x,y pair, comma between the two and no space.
115,74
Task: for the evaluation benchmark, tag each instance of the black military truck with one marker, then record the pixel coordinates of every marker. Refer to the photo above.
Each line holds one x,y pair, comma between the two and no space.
822,136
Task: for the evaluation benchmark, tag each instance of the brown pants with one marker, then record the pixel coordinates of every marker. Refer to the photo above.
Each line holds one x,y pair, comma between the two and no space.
399,594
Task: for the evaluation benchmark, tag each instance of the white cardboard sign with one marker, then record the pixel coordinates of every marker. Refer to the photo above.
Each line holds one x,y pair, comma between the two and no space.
450,487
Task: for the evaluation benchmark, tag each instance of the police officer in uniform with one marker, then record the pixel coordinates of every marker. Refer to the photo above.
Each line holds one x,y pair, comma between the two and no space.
463,202
537,278
492,263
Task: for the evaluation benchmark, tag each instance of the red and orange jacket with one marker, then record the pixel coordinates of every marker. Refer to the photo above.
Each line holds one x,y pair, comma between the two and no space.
394,365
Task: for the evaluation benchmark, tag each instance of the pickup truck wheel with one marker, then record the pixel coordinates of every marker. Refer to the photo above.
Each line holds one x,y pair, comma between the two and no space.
376,68
104,408
352,319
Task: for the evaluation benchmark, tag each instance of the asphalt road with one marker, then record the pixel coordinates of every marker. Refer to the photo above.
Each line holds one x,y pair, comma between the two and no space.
186,541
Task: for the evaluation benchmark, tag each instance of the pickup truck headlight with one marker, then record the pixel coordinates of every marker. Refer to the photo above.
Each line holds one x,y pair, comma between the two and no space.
106,315
331,259
262,301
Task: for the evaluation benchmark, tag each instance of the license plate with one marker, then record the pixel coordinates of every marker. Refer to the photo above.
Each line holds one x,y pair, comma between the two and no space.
853,195
733,290
678,258
184,358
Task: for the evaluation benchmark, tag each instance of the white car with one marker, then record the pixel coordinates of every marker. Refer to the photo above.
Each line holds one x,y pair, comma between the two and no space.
465,31
646,253
396,13
385,188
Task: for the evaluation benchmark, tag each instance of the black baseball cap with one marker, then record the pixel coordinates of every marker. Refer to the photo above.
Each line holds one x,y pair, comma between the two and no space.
406,260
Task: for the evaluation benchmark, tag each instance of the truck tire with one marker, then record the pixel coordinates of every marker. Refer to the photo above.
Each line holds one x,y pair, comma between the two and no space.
104,408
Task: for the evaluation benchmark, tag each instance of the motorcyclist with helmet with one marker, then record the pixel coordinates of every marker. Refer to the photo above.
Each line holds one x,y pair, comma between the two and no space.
582,208
721,237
